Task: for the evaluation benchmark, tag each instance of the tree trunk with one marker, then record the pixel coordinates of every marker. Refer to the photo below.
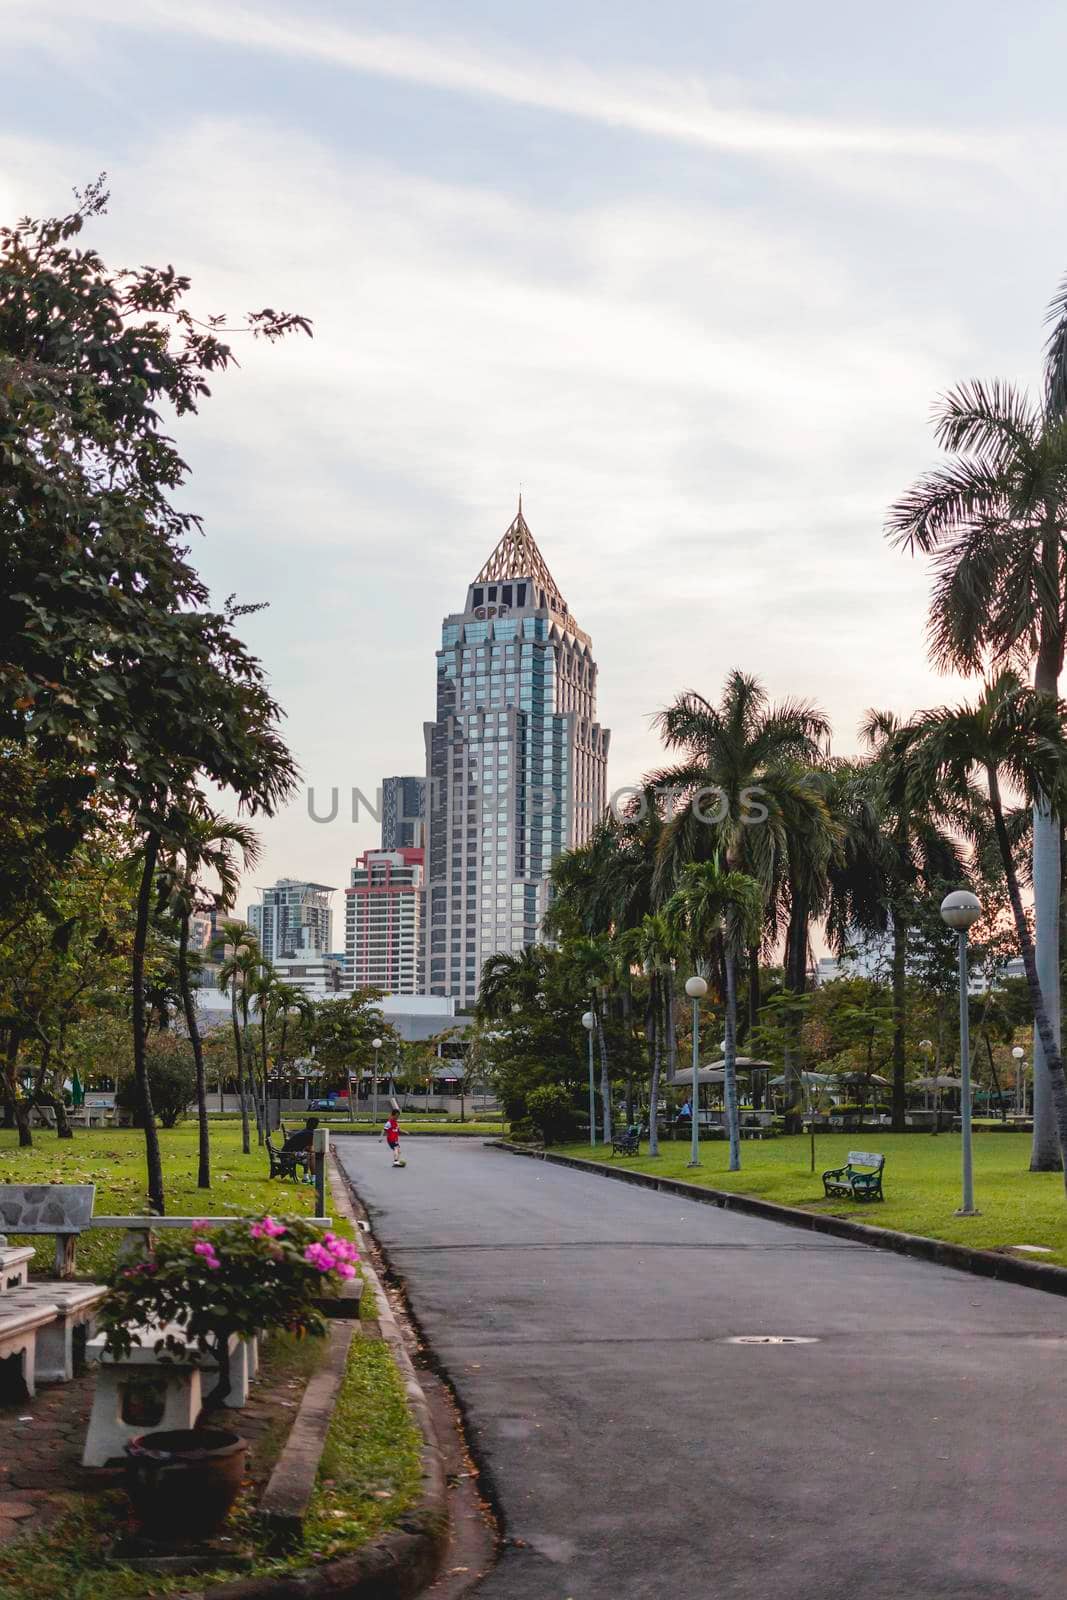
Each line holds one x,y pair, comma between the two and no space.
605,1080
796,944
754,996
652,1035
16,1105
153,1160
900,969
238,1045
203,1174
627,1014
730,1063
1045,1152
1042,1019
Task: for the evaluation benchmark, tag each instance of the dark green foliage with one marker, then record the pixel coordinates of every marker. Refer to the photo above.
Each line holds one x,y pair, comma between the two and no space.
171,1078
551,1112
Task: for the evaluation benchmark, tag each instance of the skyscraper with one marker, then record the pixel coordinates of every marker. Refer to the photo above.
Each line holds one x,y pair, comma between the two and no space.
293,918
403,813
382,921
516,763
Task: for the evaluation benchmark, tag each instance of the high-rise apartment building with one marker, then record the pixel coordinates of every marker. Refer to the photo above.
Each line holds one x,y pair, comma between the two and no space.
403,813
383,905
293,919
516,763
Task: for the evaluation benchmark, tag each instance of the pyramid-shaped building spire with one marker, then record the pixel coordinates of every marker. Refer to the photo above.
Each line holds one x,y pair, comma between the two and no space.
517,556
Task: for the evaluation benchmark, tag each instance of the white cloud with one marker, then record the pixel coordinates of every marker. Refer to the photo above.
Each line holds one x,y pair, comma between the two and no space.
679,107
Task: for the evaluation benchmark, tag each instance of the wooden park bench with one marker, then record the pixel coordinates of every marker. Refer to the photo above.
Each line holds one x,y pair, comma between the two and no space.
851,1181
627,1141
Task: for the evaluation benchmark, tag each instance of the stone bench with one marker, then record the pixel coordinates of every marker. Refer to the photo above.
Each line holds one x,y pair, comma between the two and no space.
15,1266
18,1337
58,1210
142,1392
73,1307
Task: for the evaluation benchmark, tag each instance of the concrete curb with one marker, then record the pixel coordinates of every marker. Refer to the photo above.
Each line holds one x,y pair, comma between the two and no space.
402,1562
961,1257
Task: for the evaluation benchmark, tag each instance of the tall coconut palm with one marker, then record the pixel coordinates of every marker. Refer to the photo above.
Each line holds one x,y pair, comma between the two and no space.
263,991
203,842
711,906
237,969
995,520
912,853
737,782
1011,736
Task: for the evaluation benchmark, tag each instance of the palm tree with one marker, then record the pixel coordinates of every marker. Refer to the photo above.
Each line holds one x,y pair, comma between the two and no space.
715,906
741,781
596,963
263,991
1012,735
911,854
204,842
652,946
289,1001
995,520
236,971
511,980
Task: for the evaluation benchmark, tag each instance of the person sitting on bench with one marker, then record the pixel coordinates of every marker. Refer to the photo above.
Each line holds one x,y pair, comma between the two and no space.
303,1138
301,1144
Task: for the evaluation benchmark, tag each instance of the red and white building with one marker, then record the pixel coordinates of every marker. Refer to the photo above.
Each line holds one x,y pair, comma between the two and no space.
383,921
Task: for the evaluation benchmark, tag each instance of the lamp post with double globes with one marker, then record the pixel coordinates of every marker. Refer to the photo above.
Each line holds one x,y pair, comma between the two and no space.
696,989
589,1023
959,910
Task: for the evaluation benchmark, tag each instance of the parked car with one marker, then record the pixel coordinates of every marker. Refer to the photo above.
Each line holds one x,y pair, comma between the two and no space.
322,1105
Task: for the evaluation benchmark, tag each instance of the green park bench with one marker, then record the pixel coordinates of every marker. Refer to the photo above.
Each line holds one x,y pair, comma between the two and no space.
627,1141
857,1184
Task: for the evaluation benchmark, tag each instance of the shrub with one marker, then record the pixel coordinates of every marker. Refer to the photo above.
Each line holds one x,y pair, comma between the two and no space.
550,1112
246,1276
171,1079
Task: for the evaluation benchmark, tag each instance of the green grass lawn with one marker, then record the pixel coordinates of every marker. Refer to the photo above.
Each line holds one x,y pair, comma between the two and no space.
113,1159
922,1183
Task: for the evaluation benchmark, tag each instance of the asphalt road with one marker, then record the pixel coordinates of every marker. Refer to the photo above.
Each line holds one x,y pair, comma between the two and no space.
917,1450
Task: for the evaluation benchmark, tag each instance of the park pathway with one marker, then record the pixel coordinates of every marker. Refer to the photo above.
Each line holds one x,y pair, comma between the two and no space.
915,1451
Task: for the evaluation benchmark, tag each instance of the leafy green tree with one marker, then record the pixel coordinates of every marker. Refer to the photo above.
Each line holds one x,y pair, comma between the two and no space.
116,674
172,1075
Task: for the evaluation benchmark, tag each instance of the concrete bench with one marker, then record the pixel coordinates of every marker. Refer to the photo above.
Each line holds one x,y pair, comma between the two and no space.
58,1210
18,1337
142,1392
73,1307
15,1266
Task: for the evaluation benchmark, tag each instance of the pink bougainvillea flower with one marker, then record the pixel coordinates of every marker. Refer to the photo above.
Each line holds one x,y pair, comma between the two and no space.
200,1224
207,1251
273,1229
344,1270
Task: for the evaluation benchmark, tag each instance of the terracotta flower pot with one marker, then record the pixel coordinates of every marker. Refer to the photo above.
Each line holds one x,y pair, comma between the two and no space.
183,1483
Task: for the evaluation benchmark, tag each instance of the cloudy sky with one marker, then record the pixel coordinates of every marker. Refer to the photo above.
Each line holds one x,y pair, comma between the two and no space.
691,273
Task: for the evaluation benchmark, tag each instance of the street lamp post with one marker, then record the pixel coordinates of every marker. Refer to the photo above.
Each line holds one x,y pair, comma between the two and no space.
376,1045
1019,1055
696,989
959,910
589,1023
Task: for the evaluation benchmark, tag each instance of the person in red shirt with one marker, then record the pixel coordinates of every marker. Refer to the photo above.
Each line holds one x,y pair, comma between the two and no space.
391,1135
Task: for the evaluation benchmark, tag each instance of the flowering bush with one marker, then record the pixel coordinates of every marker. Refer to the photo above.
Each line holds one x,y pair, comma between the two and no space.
200,1287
